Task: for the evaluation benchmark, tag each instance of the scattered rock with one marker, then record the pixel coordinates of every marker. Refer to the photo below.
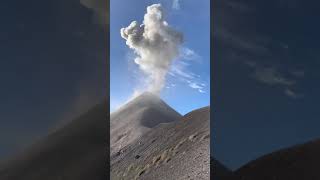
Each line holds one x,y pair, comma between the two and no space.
142,172
205,137
192,137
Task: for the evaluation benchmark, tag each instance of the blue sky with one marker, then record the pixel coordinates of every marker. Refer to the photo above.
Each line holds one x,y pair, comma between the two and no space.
188,82
52,69
266,78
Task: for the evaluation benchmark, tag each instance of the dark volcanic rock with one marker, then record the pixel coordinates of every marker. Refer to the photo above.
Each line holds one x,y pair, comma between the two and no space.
75,152
219,171
295,163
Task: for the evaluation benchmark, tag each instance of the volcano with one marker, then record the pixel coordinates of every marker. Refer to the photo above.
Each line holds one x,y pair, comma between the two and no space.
294,163
150,141
77,151
219,171
176,149
136,118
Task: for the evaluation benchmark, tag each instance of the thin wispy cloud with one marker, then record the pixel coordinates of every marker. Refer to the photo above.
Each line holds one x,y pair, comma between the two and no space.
249,43
189,54
260,53
298,73
197,86
292,94
272,76
181,70
176,4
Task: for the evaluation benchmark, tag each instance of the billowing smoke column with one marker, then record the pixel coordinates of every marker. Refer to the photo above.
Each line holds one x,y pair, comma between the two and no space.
156,45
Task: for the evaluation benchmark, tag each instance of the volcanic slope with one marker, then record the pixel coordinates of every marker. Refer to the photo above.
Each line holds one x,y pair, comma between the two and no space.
136,118
171,151
219,171
295,163
77,151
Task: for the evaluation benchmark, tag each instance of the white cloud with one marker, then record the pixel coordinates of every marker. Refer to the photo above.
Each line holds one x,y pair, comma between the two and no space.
196,86
180,70
292,94
271,76
188,54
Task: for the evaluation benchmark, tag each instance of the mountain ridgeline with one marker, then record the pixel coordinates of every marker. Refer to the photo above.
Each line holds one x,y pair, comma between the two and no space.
137,117
149,140
77,151
293,163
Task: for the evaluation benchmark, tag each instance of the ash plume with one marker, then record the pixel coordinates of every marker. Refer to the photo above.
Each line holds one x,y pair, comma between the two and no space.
155,44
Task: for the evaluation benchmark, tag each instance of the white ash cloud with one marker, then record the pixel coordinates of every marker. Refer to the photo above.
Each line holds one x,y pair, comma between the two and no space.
155,44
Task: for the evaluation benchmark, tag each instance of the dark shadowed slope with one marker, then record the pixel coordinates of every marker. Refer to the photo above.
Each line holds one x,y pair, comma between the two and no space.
219,171
136,118
75,152
171,151
301,162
